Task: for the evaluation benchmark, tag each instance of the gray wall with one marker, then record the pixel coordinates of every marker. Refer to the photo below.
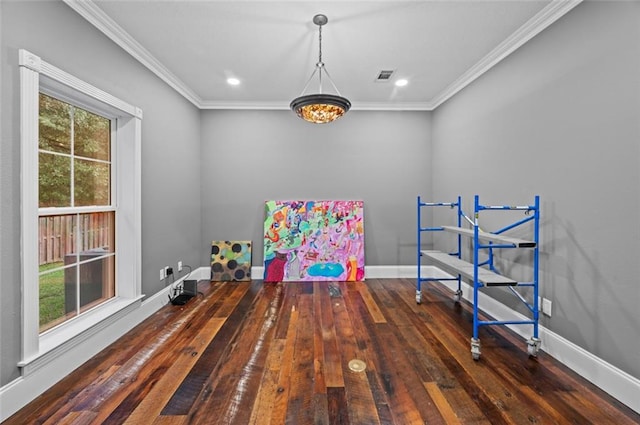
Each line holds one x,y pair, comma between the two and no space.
383,158
170,148
559,118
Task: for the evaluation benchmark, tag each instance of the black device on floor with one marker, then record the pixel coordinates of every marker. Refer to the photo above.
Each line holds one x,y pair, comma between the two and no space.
189,290
180,299
190,287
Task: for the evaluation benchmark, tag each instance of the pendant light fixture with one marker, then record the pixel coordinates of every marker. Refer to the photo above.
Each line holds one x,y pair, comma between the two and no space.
320,108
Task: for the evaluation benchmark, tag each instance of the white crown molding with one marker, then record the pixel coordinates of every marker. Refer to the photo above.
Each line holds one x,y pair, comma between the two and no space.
284,106
246,105
381,106
543,19
92,13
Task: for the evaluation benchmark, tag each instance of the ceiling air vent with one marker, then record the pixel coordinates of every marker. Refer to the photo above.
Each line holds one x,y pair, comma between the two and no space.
383,76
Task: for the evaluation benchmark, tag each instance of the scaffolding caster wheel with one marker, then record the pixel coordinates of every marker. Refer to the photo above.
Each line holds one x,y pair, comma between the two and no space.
533,345
418,297
475,348
457,296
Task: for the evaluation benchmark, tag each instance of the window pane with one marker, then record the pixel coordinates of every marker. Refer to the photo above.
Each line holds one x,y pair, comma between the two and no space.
57,295
92,183
76,251
92,135
97,281
55,125
56,241
77,265
97,233
97,275
54,180
56,238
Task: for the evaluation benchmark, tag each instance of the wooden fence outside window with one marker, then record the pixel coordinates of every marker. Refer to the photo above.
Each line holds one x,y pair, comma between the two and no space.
57,235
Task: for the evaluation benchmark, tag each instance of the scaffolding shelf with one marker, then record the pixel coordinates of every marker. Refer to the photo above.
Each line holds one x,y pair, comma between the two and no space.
464,268
479,268
517,243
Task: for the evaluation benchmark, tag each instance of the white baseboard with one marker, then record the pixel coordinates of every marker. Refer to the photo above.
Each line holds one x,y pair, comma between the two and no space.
370,272
610,379
257,272
615,382
390,272
19,392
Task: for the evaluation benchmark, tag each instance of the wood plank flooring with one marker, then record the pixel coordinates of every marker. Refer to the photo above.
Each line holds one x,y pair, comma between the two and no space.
256,353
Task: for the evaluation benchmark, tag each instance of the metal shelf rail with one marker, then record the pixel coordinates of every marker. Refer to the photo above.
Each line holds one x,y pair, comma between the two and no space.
483,273
457,205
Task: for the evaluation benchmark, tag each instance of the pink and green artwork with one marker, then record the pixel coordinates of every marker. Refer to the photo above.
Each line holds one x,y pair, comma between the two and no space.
313,240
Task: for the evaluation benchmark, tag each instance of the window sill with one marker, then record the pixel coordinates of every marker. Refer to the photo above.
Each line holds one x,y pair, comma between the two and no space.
58,341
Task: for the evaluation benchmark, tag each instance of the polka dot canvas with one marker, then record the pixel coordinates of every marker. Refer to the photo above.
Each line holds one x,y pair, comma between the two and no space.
230,261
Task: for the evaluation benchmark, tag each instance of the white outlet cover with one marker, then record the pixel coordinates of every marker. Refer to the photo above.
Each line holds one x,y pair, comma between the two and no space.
539,303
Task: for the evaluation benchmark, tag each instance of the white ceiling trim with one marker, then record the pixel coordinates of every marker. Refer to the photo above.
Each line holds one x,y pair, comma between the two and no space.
284,105
538,23
406,106
92,13
543,19
214,104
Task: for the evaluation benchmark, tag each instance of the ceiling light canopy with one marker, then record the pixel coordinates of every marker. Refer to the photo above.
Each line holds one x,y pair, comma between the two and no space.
320,108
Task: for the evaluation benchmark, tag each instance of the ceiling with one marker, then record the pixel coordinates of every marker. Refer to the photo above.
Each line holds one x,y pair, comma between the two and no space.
272,46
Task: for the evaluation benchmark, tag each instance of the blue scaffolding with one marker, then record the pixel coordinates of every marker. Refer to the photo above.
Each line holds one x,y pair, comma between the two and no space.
483,272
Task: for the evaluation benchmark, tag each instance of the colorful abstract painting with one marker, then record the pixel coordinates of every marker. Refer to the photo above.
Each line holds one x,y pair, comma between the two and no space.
313,240
230,261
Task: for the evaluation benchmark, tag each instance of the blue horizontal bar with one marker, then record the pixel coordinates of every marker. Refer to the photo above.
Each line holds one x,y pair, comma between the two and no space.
506,322
438,204
506,207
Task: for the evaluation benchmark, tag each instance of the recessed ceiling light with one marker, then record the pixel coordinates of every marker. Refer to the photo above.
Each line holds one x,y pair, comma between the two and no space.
402,83
233,81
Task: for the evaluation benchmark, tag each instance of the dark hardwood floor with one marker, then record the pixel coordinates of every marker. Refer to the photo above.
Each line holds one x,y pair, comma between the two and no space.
254,353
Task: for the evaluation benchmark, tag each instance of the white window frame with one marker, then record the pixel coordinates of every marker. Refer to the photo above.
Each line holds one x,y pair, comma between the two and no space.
37,76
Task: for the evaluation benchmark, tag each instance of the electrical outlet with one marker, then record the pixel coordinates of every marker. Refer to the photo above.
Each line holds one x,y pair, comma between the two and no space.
546,307
169,271
539,303
180,266
162,275
166,271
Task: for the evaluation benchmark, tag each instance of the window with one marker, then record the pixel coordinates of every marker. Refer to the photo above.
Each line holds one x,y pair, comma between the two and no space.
76,223
81,220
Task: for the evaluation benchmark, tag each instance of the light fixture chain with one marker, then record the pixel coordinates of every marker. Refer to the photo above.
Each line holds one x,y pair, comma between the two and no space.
320,64
320,44
320,108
